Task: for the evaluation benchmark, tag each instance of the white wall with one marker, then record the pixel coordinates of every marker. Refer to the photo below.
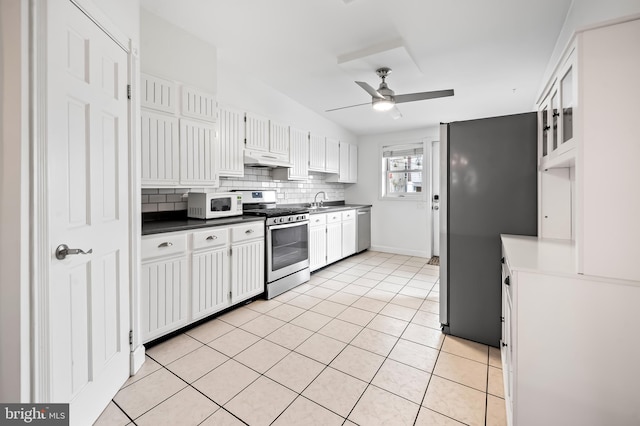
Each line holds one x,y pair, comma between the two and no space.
238,89
584,13
14,202
402,227
170,52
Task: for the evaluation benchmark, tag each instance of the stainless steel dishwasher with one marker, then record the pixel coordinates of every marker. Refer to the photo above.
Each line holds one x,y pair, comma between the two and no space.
363,219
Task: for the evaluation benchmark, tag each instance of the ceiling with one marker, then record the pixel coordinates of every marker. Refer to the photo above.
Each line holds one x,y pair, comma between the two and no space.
493,53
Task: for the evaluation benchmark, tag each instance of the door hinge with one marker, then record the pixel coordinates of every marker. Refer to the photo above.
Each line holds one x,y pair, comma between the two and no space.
130,337
229,295
230,251
128,91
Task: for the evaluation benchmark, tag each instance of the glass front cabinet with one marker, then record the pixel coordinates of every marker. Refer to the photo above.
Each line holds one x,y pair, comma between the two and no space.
555,118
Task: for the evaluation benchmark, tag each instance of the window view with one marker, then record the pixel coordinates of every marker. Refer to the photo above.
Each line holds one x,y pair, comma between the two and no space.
402,167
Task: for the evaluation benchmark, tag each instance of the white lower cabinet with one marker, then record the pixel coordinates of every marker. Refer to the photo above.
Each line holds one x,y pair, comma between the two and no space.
317,241
182,283
332,236
247,261
569,347
348,233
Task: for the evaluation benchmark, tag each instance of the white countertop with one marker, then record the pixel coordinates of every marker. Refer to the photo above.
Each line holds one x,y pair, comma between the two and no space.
540,255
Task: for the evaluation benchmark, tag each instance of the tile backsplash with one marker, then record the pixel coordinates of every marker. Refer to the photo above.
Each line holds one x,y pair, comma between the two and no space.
288,192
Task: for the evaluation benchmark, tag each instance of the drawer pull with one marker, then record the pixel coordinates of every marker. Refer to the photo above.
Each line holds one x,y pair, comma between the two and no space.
317,220
507,281
248,231
165,244
212,237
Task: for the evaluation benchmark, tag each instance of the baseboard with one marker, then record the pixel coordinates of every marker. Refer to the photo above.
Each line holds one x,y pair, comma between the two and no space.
137,359
405,252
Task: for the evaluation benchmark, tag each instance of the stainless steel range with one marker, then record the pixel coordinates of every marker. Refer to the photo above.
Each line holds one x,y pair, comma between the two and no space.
287,240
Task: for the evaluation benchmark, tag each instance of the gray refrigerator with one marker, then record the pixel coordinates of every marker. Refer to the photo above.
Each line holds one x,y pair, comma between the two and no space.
488,179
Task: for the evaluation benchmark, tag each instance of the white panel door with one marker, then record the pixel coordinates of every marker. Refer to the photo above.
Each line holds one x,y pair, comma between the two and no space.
231,125
164,292
247,270
299,154
87,140
332,155
279,140
199,154
317,247
257,133
160,150
210,282
334,242
317,151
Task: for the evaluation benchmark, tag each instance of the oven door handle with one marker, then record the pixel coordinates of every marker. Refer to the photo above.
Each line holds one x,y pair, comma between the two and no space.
288,225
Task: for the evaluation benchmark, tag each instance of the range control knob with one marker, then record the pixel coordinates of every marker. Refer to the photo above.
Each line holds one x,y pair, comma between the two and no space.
290,218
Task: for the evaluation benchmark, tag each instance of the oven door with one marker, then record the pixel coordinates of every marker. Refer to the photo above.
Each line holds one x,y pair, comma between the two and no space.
287,249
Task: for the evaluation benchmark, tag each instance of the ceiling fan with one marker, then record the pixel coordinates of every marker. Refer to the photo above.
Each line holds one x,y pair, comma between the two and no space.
385,99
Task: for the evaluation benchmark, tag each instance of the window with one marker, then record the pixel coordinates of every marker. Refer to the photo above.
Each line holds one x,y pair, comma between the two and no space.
402,167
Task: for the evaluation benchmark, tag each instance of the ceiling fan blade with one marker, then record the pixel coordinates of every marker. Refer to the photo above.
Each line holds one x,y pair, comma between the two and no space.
350,106
410,97
395,113
370,90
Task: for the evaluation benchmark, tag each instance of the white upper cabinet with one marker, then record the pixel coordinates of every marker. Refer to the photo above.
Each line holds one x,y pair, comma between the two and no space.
231,128
176,151
198,154
298,156
353,164
332,155
555,118
266,142
279,140
589,127
160,150
317,153
256,133
158,93
198,104
348,170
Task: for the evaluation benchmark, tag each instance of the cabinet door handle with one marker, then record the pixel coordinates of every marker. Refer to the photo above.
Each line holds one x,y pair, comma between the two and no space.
165,244
545,128
212,237
248,231
502,260
504,345
507,281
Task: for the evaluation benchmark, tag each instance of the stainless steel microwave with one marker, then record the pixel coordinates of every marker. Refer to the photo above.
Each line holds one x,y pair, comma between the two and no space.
213,205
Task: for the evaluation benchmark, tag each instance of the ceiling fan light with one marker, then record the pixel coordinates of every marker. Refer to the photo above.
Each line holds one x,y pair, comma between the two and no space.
383,104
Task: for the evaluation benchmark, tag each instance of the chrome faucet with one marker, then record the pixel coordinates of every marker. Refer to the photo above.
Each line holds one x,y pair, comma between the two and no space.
315,202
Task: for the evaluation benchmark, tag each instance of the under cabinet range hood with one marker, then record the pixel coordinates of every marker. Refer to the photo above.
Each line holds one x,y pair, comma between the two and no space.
265,159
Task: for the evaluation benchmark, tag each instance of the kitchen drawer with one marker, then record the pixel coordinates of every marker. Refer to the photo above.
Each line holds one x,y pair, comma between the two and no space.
169,244
317,220
334,217
247,232
212,237
349,215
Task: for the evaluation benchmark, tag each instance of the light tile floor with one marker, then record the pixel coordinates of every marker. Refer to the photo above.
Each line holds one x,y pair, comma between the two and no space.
358,344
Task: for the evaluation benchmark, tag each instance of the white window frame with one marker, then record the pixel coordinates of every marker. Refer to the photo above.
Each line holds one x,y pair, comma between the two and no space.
404,196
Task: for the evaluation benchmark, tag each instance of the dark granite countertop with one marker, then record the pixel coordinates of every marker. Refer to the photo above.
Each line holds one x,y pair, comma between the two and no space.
178,221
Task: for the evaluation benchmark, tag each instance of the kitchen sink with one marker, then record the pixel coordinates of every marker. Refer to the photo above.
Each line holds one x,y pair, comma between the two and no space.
319,207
